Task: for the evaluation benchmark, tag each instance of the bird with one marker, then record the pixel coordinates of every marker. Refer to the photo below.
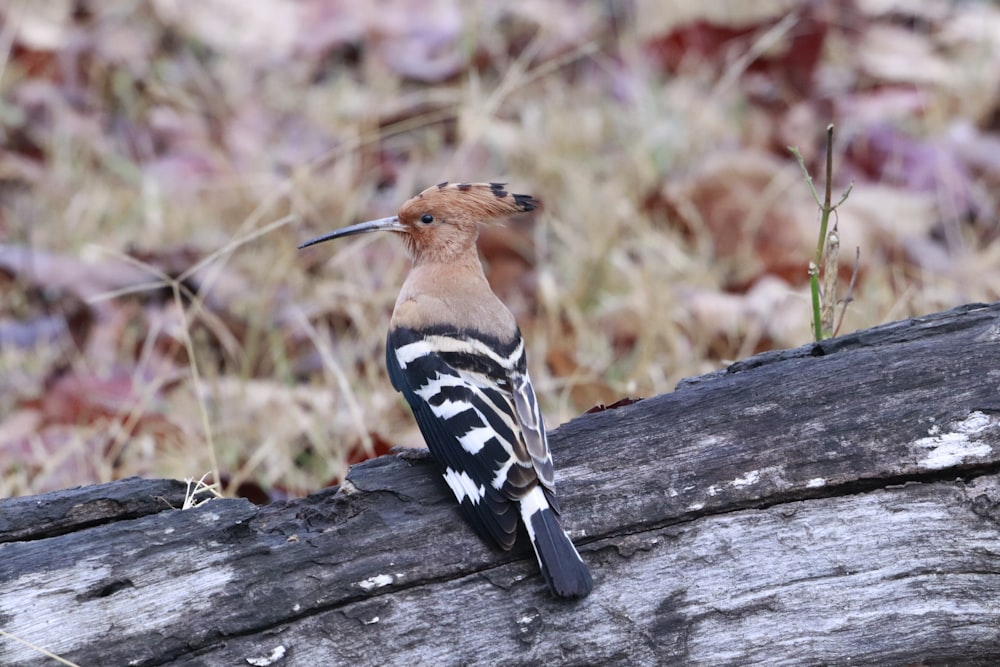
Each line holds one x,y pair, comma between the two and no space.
456,354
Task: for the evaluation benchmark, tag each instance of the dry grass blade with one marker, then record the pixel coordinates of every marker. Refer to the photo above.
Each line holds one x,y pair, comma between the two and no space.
760,46
47,654
831,271
196,487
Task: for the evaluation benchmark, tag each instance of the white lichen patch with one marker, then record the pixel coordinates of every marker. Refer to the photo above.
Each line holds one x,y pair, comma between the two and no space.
748,479
208,517
378,581
276,654
348,489
816,483
957,442
760,408
710,442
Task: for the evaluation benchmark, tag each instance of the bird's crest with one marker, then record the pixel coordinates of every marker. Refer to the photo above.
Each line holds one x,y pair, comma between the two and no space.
479,202
441,222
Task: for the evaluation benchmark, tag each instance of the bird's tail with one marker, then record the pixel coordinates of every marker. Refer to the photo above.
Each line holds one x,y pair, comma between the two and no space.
562,568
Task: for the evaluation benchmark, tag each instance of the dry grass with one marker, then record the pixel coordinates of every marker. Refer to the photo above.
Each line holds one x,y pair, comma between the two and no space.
616,297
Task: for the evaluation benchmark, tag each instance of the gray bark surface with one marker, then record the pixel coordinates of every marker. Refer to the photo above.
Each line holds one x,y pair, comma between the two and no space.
837,504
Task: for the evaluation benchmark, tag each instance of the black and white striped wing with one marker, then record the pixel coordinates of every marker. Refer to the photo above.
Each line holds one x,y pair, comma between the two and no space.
461,390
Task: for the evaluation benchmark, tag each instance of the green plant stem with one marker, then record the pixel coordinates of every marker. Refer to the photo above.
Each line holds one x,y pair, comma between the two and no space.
814,291
826,207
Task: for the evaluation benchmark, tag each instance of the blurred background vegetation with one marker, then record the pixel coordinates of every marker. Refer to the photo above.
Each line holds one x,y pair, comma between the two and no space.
161,159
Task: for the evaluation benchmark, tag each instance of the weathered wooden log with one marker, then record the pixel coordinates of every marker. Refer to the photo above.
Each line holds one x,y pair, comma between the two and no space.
834,504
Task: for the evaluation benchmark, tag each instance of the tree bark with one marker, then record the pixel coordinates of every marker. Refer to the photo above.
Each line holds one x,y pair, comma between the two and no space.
833,504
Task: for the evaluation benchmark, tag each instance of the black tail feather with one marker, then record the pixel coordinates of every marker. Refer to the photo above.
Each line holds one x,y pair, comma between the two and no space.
562,568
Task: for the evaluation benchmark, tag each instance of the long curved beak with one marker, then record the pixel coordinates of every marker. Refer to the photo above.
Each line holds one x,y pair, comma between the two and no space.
391,224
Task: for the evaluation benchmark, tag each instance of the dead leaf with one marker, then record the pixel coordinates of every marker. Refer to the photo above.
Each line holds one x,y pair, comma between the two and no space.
620,403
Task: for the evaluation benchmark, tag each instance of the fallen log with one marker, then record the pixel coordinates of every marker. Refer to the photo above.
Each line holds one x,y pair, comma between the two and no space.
834,504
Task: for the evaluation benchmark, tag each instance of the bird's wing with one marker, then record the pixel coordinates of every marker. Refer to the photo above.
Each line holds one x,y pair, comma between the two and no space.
529,415
460,390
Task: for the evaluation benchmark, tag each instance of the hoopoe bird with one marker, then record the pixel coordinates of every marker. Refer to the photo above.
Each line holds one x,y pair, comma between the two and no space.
456,353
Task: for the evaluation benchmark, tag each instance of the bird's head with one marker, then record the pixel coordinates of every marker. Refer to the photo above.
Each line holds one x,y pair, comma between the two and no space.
441,223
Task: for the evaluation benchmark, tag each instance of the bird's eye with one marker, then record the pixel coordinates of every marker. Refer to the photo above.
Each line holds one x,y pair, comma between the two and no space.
427,218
